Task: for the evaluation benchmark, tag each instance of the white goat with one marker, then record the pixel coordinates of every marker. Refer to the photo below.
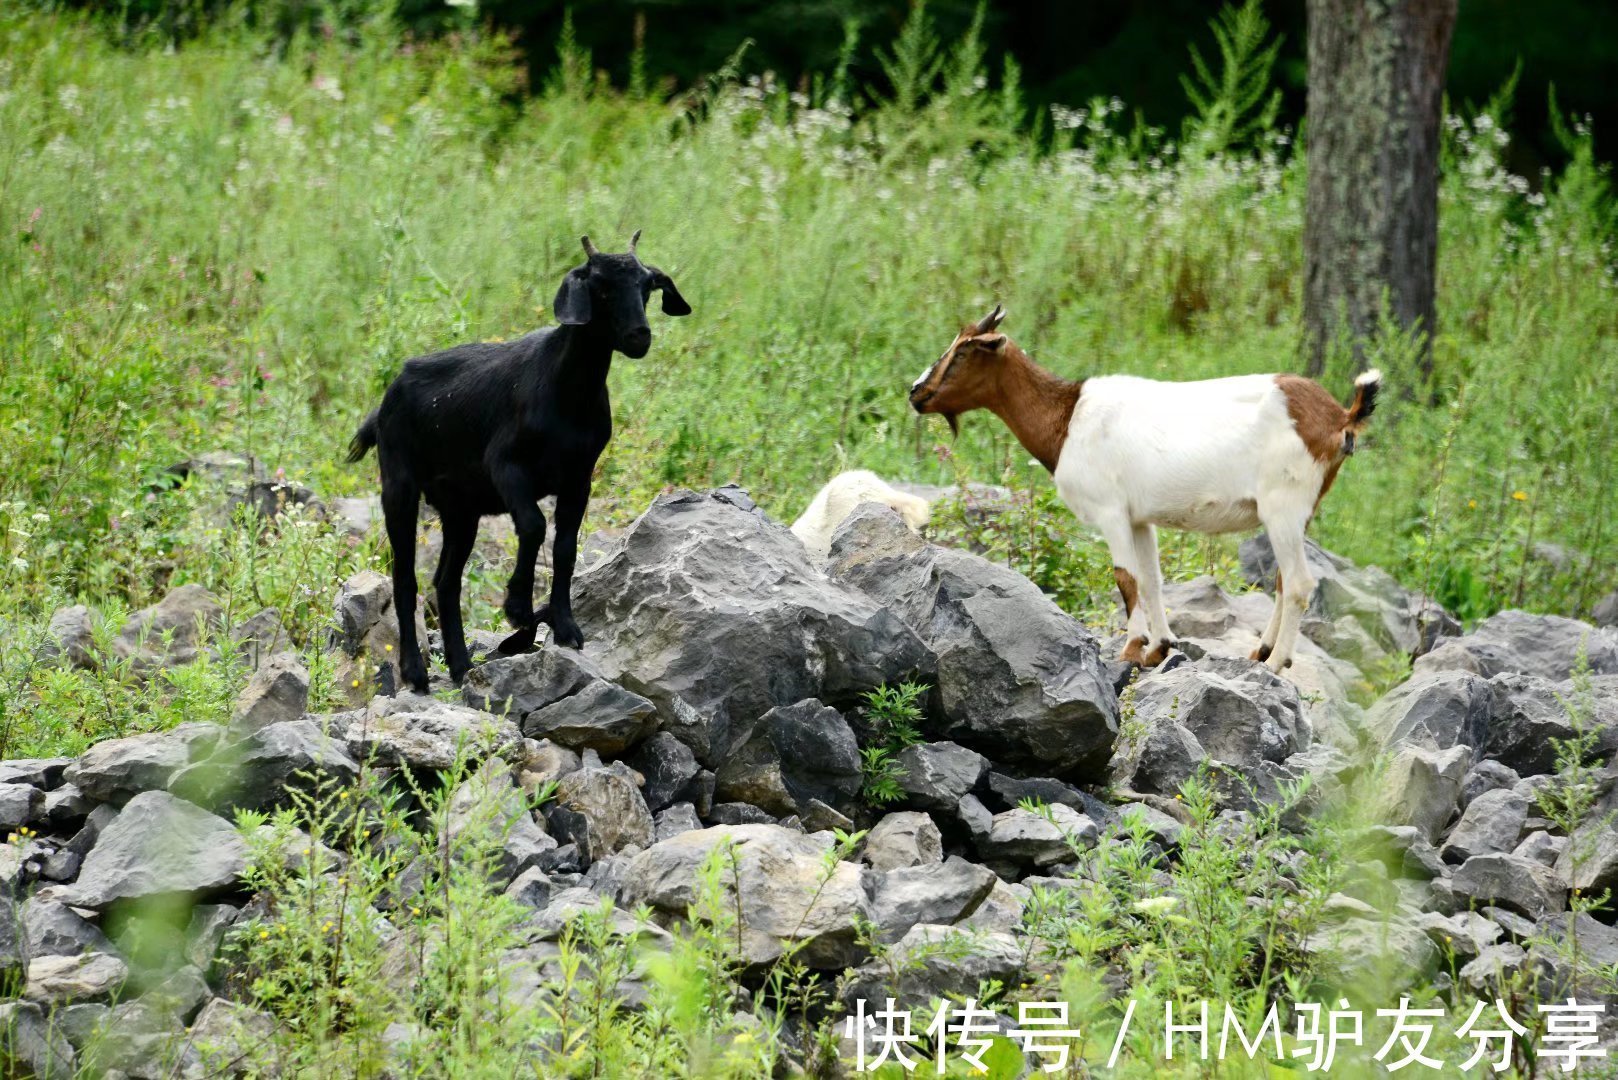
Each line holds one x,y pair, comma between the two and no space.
840,496
1129,454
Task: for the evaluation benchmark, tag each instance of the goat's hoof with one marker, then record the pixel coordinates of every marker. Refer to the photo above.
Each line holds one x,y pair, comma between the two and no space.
1132,651
520,642
520,615
1262,653
1159,652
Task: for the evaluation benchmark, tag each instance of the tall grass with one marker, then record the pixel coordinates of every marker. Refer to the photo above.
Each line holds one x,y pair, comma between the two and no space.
233,244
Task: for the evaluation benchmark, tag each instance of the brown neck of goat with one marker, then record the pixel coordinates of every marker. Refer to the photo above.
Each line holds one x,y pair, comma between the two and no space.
1035,404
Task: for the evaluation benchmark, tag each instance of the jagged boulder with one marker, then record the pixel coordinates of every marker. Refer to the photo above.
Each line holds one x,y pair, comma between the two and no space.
278,692
173,631
1510,882
562,695
367,636
115,769
669,769
1421,787
488,810
1018,678
1438,711
714,612
902,840
70,638
1525,644
1392,619
260,772
1240,718
425,733
944,892
783,892
797,753
932,962
600,809
1529,716
156,848
936,775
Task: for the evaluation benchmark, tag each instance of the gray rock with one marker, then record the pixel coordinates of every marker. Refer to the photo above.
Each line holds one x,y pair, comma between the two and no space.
601,810
66,807
1491,825
277,693
229,1036
1486,775
668,767
160,846
367,636
1589,862
941,893
1394,953
19,804
187,617
1001,910
259,637
739,813
818,817
971,813
1466,933
1525,644
1529,715
1597,942
51,928
515,686
1511,882
936,775
180,996
488,815
263,770
677,819
1156,824
425,733
32,1040
1541,847
1025,836
43,773
603,717
714,612
531,888
1435,711
1238,717
61,980
1018,678
541,762
115,769
70,638
1605,613
902,840
206,932
1421,787
797,753
932,962
1493,968
1400,622
783,891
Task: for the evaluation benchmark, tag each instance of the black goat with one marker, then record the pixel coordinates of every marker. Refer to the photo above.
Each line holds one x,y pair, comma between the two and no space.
492,429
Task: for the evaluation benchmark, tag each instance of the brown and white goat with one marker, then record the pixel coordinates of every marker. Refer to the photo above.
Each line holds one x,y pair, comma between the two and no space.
1129,454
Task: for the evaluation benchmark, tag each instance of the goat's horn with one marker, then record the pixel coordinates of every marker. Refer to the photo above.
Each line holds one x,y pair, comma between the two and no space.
633,240
991,320
589,248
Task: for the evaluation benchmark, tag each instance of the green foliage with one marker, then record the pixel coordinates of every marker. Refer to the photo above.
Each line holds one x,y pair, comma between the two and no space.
1238,104
894,714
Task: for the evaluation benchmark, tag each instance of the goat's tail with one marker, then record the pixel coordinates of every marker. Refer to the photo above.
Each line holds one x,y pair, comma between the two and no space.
1364,403
363,439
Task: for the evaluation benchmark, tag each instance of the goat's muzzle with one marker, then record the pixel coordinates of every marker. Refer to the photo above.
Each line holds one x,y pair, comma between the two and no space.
637,342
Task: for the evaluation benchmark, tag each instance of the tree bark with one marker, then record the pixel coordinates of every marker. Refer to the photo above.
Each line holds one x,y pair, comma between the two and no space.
1376,90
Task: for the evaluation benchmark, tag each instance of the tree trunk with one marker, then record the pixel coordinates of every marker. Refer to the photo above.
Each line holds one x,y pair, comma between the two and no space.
1376,91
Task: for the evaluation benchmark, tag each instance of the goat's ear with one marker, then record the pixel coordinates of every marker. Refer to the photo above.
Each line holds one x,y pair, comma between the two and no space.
992,342
572,302
673,302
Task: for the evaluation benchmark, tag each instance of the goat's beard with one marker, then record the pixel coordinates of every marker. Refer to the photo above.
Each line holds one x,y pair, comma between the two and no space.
954,423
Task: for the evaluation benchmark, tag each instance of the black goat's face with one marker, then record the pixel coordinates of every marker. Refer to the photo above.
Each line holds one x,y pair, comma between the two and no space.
611,292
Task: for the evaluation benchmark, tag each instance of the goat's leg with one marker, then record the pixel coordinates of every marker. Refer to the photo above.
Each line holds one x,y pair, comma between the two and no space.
1286,536
460,533
1144,538
559,612
517,492
1117,532
399,508
1266,644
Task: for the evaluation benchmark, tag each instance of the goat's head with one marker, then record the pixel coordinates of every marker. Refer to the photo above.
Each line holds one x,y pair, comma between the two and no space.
967,376
611,292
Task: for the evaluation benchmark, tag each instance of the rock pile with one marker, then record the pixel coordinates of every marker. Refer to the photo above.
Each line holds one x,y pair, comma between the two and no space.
717,707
